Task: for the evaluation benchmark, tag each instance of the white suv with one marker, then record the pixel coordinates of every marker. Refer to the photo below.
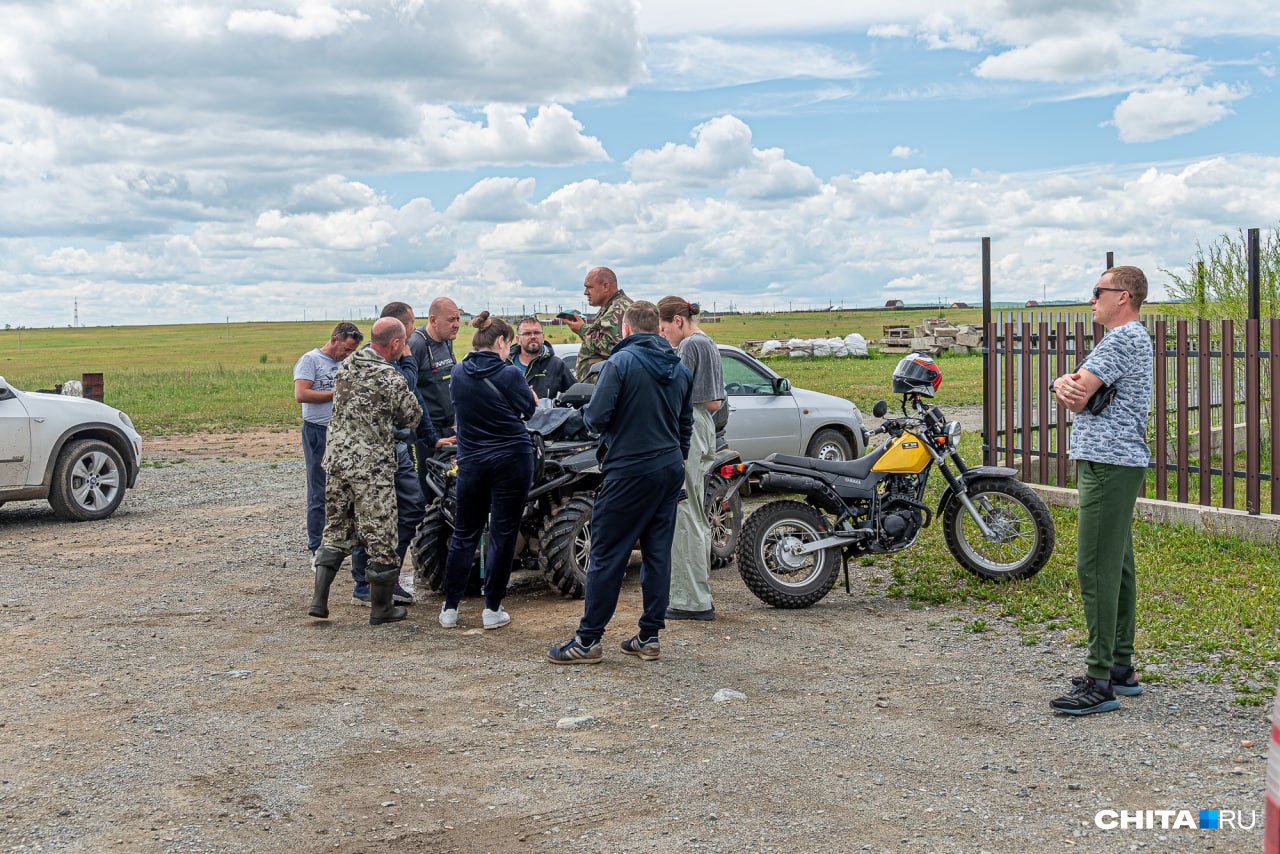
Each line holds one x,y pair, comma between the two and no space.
79,454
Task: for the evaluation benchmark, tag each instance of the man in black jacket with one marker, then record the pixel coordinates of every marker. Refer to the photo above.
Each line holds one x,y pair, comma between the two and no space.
544,371
432,348
642,408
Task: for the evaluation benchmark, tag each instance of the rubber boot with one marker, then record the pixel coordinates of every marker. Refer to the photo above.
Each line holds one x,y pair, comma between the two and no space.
382,581
328,559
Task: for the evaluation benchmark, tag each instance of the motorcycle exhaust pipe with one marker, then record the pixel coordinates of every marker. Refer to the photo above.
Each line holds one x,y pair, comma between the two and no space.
785,482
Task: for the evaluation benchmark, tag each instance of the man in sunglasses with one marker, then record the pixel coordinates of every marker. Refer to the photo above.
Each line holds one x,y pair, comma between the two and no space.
1110,449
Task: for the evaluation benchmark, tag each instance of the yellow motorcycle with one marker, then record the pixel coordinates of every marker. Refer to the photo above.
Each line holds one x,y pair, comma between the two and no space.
790,553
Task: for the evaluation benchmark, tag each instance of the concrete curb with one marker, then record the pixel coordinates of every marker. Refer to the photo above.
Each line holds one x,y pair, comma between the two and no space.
1215,521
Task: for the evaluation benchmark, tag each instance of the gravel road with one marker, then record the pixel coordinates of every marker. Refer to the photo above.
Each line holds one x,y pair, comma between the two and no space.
164,690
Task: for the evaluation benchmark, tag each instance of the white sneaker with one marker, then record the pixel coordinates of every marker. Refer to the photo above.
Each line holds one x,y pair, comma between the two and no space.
449,617
495,619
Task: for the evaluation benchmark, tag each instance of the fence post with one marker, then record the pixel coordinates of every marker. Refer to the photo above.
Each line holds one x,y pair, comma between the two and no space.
988,363
1253,383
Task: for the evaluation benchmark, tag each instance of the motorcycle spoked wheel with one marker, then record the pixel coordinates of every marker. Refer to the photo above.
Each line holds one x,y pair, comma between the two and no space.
774,575
1019,517
564,545
725,521
429,550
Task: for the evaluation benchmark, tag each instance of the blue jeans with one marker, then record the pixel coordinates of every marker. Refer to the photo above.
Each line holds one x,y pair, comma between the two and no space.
628,509
313,442
410,508
493,491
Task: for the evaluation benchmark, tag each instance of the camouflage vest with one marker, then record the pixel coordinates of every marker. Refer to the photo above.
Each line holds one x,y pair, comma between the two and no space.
602,334
370,400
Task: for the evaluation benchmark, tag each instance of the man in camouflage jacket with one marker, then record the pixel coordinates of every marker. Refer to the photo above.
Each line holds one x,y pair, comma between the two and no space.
603,332
370,401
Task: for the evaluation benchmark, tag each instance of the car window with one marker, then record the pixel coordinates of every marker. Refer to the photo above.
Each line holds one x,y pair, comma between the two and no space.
742,378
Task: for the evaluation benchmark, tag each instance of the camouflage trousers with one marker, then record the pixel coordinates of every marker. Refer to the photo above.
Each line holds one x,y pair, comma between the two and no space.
364,507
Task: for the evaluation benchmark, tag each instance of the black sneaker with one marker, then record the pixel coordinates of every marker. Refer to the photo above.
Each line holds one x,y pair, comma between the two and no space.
1086,697
576,652
1124,681
681,614
646,649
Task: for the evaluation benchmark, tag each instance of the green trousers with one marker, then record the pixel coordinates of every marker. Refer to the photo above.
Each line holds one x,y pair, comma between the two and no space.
691,545
1104,561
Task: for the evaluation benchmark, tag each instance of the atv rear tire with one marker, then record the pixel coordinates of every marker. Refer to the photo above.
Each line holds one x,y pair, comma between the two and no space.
564,545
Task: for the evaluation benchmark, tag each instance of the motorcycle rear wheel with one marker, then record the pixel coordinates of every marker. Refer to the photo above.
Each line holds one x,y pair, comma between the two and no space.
565,545
1020,519
725,519
770,571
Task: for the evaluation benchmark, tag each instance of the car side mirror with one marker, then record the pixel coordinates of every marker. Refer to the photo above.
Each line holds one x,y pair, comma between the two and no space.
782,385
880,409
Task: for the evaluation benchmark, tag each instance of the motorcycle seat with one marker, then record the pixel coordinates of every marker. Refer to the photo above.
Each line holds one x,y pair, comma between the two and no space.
859,468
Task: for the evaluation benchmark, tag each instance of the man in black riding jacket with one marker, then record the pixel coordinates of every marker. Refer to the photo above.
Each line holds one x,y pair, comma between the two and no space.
544,371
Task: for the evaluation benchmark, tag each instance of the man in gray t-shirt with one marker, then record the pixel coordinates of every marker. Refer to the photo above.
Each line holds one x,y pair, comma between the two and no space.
313,388
1110,452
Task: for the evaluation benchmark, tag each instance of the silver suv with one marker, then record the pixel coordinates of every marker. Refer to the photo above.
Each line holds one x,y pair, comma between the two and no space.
79,454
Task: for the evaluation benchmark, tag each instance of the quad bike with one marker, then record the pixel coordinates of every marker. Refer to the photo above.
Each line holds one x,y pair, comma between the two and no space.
555,531
790,552
555,524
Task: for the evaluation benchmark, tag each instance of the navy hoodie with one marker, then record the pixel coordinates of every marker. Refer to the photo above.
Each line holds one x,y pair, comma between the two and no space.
490,423
641,407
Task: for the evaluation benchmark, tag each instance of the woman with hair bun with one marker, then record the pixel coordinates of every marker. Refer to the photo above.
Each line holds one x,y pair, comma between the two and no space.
691,546
491,402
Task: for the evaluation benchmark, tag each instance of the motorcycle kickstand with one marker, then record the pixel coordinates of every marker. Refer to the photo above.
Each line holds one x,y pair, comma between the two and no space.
844,560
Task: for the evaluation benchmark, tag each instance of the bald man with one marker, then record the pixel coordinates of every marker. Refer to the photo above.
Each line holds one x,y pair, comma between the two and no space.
603,332
370,401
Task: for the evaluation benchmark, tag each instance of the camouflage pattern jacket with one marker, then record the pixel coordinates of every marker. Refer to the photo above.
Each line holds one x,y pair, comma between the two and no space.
370,400
602,334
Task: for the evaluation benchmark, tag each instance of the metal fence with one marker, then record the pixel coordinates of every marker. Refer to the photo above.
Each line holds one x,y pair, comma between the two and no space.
1212,430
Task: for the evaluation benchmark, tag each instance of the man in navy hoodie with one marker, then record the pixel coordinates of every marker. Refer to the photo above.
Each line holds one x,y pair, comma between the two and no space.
643,411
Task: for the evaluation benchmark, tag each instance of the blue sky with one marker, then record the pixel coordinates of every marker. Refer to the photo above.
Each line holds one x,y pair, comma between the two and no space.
278,160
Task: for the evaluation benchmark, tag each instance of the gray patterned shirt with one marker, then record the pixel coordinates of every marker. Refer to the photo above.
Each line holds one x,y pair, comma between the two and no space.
1124,357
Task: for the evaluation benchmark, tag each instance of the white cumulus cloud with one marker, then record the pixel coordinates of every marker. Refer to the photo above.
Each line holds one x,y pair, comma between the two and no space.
312,20
1170,110
1079,57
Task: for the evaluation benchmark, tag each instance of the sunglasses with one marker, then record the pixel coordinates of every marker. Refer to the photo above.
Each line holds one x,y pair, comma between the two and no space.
1097,292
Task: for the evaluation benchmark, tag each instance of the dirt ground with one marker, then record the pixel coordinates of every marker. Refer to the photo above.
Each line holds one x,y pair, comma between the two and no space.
164,690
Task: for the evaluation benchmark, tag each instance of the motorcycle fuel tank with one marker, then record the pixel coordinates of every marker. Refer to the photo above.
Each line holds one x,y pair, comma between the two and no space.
906,454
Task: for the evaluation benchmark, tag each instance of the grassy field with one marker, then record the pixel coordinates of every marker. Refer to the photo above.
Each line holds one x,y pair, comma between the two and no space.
185,378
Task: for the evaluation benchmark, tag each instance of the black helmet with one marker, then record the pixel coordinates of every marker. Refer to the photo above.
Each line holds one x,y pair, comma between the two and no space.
917,374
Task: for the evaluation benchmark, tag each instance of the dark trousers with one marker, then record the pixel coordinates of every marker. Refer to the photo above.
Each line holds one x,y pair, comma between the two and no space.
410,508
628,509
493,491
1105,563
313,442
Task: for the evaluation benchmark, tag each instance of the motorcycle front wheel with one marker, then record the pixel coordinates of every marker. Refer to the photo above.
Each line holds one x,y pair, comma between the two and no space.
1023,528
768,564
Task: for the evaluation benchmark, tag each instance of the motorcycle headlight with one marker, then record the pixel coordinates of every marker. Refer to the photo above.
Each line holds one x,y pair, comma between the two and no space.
952,431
